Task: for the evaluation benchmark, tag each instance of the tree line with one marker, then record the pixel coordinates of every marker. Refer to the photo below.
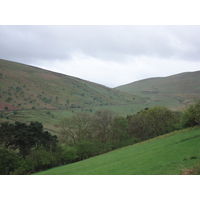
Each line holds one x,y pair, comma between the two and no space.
26,149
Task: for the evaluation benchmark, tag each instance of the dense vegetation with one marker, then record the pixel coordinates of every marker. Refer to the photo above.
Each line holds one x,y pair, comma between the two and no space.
25,148
28,148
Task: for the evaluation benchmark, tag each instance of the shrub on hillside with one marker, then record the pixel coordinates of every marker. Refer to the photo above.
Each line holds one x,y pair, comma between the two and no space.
152,122
9,161
191,116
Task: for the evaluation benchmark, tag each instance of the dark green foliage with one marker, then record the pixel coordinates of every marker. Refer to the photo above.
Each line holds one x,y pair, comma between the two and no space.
39,159
24,138
119,132
6,134
193,157
152,122
8,161
85,149
9,99
50,114
15,112
29,141
68,155
191,116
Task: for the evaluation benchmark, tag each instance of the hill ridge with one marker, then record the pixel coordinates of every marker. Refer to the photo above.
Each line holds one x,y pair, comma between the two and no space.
46,96
173,91
47,87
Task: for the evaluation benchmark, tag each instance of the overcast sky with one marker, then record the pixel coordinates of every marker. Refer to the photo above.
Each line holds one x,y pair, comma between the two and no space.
109,55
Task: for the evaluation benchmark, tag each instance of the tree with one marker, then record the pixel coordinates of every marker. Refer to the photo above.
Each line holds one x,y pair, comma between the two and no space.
191,116
68,154
39,159
6,134
119,131
161,119
138,126
85,149
102,122
152,122
24,137
47,140
76,128
8,161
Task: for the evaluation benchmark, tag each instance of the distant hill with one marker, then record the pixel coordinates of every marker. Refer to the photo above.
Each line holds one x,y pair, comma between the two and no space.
175,91
29,93
27,87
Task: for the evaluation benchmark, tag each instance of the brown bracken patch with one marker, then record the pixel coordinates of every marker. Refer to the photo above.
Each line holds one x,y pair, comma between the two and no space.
49,76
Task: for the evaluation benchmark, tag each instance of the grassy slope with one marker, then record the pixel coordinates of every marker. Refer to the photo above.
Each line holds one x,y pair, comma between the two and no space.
55,95
31,86
174,91
163,155
24,87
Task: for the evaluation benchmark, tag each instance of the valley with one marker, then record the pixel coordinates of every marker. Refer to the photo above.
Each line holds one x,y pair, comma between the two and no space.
29,93
80,119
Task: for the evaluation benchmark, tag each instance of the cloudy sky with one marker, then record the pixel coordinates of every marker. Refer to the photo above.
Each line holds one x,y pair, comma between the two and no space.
109,55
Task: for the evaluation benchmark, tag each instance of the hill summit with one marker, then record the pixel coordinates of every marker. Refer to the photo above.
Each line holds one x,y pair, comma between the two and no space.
173,91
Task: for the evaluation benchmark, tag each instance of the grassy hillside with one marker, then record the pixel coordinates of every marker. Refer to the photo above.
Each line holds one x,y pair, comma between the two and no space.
174,92
30,93
166,154
23,86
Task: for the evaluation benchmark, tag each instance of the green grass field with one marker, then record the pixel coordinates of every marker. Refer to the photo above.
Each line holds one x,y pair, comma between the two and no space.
164,155
51,118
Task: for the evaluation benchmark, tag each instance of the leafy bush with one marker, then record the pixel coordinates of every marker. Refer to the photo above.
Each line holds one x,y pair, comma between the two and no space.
68,155
9,161
191,116
85,149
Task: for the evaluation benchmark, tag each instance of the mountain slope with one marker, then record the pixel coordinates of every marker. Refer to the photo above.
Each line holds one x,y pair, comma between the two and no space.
26,87
173,91
32,94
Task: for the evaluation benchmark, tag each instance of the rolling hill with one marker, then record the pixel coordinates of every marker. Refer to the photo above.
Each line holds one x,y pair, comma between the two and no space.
24,87
164,155
174,92
29,93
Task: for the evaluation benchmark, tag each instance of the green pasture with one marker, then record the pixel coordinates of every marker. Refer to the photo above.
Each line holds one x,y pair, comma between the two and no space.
164,155
51,118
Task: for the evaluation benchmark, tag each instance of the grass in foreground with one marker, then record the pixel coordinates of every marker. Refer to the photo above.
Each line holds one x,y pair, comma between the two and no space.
164,155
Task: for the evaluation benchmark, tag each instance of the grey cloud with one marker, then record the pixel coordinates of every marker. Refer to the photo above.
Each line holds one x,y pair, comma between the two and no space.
27,43
114,43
